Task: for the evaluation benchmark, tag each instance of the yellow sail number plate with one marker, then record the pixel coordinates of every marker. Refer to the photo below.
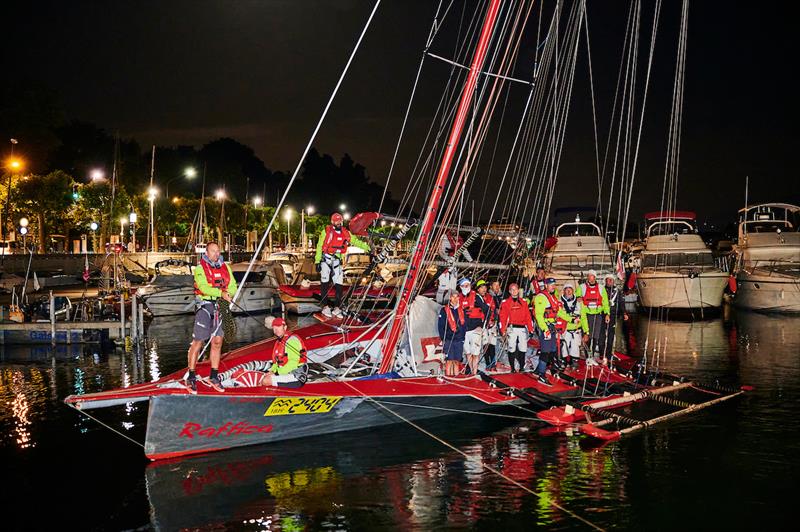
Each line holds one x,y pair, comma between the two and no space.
301,405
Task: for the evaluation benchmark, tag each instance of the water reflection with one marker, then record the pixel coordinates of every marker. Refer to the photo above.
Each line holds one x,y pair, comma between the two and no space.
399,476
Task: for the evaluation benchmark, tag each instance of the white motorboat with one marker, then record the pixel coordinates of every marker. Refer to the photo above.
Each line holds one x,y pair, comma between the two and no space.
678,270
768,259
578,248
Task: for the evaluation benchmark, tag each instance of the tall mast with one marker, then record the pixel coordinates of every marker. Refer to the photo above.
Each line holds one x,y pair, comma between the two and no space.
441,179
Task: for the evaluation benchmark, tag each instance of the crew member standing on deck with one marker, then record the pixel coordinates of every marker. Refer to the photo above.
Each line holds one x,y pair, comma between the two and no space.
331,246
490,323
213,280
452,327
476,310
595,307
515,326
537,284
571,338
289,362
616,308
547,311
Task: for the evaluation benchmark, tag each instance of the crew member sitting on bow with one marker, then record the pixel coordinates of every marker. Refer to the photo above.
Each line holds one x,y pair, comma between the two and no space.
213,280
547,310
515,326
331,246
289,362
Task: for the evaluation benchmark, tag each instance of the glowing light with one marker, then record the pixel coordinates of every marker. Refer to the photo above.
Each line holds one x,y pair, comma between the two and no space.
288,214
342,207
97,174
256,201
310,210
93,226
23,222
23,230
123,220
152,192
176,199
133,217
346,216
190,173
220,195
16,164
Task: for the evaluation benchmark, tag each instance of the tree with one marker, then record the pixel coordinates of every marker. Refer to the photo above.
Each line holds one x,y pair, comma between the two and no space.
49,196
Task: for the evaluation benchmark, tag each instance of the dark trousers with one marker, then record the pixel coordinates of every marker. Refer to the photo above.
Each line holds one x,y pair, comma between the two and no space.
609,332
517,357
324,288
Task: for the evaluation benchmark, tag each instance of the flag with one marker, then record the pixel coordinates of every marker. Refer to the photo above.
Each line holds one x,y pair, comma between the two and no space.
85,268
36,285
620,268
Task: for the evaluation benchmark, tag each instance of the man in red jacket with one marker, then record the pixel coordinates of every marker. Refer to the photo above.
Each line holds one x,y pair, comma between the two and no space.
515,325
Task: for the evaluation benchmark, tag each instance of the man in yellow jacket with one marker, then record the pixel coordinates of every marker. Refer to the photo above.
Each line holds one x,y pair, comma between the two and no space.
547,309
213,280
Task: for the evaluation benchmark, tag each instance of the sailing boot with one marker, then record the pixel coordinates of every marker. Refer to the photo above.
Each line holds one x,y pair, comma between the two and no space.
214,381
191,382
337,312
326,311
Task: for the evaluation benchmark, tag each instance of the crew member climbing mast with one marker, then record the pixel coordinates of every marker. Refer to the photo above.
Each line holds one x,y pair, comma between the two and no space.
331,248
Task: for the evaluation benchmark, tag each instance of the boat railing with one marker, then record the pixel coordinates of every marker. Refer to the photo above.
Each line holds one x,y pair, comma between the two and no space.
577,264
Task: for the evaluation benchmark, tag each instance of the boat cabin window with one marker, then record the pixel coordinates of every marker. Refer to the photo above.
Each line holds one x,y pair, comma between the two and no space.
580,263
671,228
254,277
665,260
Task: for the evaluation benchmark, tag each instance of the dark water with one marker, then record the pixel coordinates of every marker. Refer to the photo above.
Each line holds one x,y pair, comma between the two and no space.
733,466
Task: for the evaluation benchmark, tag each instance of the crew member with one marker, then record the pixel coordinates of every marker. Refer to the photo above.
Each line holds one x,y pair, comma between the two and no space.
476,311
595,307
331,246
515,326
447,285
576,325
547,311
213,280
490,323
536,284
452,326
616,307
289,361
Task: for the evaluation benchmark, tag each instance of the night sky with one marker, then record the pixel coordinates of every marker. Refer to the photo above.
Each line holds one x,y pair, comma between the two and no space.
189,72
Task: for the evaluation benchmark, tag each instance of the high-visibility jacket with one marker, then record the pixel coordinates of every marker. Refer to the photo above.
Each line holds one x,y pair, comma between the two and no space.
515,312
288,354
547,309
210,280
333,242
595,298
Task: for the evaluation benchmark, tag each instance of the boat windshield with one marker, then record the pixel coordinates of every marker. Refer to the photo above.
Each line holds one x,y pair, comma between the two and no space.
671,227
254,277
579,263
666,260
577,229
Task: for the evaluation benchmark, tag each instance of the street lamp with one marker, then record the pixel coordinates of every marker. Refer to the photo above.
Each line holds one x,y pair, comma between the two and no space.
188,173
96,175
342,207
257,201
220,195
23,230
346,216
152,192
288,216
133,217
308,210
122,221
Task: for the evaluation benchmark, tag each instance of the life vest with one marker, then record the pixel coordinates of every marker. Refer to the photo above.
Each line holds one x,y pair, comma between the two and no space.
592,296
551,312
571,307
216,277
613,294
335,241
451,320
279,355
468,305
539,286
492,307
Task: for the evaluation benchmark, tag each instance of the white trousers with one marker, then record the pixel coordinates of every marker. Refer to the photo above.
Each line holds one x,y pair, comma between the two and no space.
331,267
517,339
474,341
571,343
